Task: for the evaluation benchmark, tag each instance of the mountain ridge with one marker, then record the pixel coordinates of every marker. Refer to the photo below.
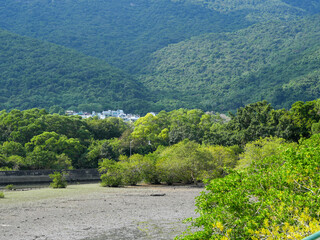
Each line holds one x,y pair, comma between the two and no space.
41,74
169,54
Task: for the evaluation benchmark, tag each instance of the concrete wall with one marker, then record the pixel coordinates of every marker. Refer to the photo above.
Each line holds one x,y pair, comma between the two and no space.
42,176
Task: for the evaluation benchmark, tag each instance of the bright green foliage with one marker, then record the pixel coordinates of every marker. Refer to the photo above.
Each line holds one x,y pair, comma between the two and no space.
12,148
270,196
188,162
44,148
303,225
148,131
222,158
149,170
58,180
168,128
182,162
10,187
12,162
111,173
185,124
1,195
260,149
132,174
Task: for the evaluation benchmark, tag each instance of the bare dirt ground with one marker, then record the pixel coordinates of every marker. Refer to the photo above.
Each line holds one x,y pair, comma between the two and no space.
90,212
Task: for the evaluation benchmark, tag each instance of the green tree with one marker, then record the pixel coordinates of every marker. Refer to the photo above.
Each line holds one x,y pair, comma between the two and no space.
304,115
260,149
13,148
184,162
106,128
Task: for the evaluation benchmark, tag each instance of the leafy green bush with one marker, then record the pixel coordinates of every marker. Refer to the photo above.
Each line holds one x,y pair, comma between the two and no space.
131,169
10,187
189,162
260,149
149,171
58,180
112,173
269,197
1,195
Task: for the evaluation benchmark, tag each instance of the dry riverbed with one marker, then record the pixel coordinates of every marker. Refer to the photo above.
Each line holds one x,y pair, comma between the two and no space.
91,212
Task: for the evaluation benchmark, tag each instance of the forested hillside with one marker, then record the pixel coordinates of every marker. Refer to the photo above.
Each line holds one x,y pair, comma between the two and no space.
263,10
278,61
39,74
208,54
122,32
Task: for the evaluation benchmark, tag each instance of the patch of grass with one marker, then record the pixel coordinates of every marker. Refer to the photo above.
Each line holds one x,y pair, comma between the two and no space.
1,195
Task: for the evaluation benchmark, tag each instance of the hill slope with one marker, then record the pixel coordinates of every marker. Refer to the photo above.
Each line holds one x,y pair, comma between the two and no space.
38,74
224,71
263,10
208,54
122,32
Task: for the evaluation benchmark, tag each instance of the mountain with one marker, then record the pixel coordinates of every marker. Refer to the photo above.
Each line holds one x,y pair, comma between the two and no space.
149,55
122,32
40,74
262,10
224,71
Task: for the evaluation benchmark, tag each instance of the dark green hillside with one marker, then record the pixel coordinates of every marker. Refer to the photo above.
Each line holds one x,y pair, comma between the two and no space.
263,10
122,32
224,71
37,74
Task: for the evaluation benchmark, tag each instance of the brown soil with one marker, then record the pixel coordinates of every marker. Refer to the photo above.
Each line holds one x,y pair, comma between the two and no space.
144,212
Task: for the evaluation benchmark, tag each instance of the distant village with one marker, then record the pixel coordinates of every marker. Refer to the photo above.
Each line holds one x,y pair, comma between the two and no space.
105,114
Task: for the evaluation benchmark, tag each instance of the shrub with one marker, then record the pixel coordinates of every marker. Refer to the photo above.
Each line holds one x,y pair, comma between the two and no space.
1,195
260,149
58,180
112,173
150,173
132,169
10,187
275,196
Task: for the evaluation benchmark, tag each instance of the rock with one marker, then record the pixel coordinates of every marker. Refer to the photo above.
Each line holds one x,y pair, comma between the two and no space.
157,194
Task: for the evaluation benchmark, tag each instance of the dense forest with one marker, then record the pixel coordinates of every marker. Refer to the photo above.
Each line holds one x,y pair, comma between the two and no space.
122,32
276,61
45,75
260,166
83,143
152,55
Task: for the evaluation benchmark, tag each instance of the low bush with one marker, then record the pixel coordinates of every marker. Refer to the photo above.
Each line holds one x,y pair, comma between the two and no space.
1,195
58,180
112,173
10,187
131,169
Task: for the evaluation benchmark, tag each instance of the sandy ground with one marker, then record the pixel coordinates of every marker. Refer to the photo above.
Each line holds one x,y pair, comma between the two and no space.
90,212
